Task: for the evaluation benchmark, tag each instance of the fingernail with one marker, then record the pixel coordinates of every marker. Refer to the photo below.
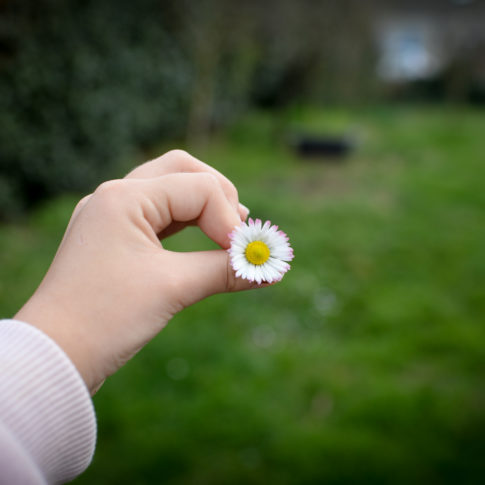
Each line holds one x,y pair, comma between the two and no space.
245,210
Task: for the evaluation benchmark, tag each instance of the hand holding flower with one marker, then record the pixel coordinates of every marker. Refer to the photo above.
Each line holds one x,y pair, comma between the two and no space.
112,286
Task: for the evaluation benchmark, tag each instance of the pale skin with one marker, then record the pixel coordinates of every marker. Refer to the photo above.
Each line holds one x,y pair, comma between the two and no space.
112,286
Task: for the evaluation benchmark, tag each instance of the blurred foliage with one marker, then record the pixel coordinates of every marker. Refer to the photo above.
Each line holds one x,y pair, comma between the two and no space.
86,85
365,364
79,92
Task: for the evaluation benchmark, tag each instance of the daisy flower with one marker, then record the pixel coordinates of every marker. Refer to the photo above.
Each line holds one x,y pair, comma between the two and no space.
259,252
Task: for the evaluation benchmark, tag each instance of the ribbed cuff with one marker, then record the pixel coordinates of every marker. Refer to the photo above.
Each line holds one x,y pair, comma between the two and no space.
44,402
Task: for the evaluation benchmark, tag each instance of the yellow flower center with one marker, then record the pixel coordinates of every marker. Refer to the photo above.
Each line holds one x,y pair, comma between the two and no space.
257,252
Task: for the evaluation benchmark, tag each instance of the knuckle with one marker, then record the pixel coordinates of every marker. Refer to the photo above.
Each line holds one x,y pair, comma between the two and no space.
113,192
82,203
179,154
183,161
110,187
209,178
79,207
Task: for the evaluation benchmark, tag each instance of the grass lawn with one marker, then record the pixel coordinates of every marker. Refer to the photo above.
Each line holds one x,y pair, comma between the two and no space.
366,364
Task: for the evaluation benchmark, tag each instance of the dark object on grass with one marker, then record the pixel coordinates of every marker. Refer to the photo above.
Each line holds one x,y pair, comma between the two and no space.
322,146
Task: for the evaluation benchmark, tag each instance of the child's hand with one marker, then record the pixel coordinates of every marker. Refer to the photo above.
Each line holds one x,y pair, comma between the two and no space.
112,287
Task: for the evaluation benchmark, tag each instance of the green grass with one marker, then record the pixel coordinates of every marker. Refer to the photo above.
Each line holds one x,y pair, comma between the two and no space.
365,365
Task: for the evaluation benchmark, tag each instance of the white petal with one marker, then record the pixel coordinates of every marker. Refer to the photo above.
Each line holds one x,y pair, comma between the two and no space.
258,274
273,273
267,273
282,253
278,265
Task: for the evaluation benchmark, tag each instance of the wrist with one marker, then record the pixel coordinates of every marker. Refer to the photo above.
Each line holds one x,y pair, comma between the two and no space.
67,334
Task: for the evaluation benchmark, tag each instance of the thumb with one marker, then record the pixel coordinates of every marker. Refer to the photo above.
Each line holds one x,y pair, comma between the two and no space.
205,273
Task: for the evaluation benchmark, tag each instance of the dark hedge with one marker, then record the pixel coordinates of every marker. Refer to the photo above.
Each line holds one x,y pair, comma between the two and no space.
83,84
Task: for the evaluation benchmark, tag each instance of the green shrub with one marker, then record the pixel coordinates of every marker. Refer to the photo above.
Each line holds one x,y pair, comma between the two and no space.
79,93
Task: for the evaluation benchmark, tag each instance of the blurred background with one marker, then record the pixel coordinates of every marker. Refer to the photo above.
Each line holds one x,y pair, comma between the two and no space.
359,128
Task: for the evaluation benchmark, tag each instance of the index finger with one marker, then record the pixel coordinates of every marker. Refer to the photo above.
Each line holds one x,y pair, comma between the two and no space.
179,161
184,197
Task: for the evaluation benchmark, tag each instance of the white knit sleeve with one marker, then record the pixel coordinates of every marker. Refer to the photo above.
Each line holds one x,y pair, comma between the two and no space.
47,420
